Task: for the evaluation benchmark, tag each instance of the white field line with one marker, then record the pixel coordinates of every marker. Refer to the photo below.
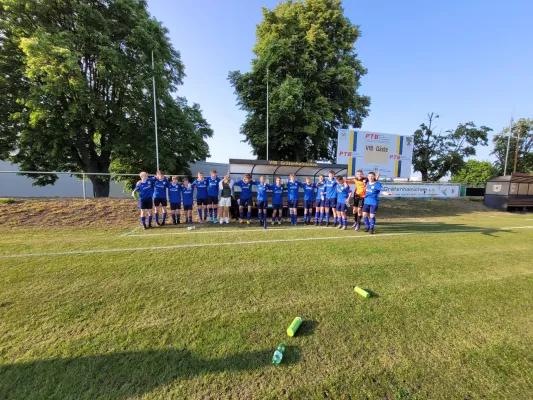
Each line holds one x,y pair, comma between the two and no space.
515,218
242,230
185,246
129,233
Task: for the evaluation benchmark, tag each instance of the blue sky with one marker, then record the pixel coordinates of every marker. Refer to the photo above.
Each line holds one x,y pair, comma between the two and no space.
467,60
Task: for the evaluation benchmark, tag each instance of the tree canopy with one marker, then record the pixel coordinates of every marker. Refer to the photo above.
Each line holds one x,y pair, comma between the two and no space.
306,51
437,154
76,90
476,172
524,126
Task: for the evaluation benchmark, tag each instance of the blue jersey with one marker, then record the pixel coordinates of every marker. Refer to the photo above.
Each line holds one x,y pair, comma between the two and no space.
187,195
331,188
201,188
292,189
160,188
212,188
277,194
174,192
309,191
262,191
342,193
145,189
372,193
320,188
246,189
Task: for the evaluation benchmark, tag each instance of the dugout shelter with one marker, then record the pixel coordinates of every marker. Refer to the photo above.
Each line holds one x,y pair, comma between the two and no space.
237,168
510,192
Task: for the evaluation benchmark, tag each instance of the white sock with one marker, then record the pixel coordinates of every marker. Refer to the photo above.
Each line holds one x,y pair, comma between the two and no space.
227,220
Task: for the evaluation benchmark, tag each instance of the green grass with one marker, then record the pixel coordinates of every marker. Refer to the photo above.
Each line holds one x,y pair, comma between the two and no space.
450,317
7,201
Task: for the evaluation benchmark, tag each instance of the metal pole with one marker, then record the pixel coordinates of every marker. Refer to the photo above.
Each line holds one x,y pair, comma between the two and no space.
267,113
508,143
155,115
516,152
83,179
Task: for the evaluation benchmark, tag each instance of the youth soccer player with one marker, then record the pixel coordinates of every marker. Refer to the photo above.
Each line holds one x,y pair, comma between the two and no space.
160,197
187,192
359,197
201,196
309,195
246,197
331,197
146,191
320,200
293,187
370,206
344,192
225,193
212,195
174,197
262,200
277,200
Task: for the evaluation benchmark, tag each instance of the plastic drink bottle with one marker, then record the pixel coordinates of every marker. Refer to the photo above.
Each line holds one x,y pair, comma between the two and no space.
278,354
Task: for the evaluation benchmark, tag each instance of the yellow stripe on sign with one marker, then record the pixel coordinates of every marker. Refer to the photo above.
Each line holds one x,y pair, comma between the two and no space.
350,159
396,162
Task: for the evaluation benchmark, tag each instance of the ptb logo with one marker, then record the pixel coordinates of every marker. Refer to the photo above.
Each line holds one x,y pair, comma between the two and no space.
345,153
395,157
373,136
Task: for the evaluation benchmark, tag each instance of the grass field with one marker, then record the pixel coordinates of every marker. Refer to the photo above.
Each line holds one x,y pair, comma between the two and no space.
92,308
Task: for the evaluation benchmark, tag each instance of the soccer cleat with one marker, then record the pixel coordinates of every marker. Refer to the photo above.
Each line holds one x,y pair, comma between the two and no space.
145,227
149,226
241,221
248,222
367,229
279,222
339,227
208,219
343,228
261,223
316,223
354,225
158,223
272,223
357,227
328,223
371,231
214,220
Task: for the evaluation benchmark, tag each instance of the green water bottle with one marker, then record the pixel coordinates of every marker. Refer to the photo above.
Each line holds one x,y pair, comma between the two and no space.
278,354
136,195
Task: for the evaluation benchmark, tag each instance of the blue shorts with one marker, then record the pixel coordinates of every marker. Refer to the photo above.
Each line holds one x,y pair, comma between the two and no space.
319,203
187,207
341,207
201,202
277,207
331,203
262,205
371,209
146,204
212,200
175,206
245,202
160,202
308,204
292,203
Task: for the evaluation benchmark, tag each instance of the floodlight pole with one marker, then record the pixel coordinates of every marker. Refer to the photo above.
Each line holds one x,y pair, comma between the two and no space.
516,152
267,114
508,143
155,115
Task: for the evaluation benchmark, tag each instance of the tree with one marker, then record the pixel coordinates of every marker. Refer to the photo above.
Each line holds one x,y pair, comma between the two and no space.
477,172
76,90
524,126
305,49
436,155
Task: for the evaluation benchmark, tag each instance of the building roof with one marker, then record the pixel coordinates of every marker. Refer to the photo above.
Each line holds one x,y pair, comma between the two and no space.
515,177
283,168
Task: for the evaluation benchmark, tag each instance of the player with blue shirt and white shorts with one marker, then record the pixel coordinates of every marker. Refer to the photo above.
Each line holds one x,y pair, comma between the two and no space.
146,191
331,197
371,203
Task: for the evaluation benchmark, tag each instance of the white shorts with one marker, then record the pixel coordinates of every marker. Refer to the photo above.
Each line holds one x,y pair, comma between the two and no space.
225,202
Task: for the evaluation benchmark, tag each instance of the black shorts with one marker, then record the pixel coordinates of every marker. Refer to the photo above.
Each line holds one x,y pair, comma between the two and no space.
308,204
201,202
160,202
187,207
262,205
146,204
245,202
175,206
320,203
358,202
331,203
277,207
292,203
212,200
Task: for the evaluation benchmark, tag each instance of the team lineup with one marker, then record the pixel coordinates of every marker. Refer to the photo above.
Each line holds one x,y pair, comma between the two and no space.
214,193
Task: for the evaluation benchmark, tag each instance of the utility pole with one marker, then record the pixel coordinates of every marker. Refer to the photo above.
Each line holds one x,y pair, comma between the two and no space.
517,148
508,144
155,115
267,113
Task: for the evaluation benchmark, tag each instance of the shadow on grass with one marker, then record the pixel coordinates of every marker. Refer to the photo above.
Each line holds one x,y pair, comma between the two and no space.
372,293
123,375
307,328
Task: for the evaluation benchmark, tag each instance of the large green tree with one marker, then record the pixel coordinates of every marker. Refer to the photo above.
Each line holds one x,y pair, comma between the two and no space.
524,128
476,172
306,51
437,154
76,90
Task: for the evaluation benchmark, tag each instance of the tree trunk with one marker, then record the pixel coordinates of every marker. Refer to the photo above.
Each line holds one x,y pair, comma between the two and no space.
100,185
424,176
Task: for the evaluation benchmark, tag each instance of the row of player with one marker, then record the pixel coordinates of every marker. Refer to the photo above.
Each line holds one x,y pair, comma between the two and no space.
331,193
